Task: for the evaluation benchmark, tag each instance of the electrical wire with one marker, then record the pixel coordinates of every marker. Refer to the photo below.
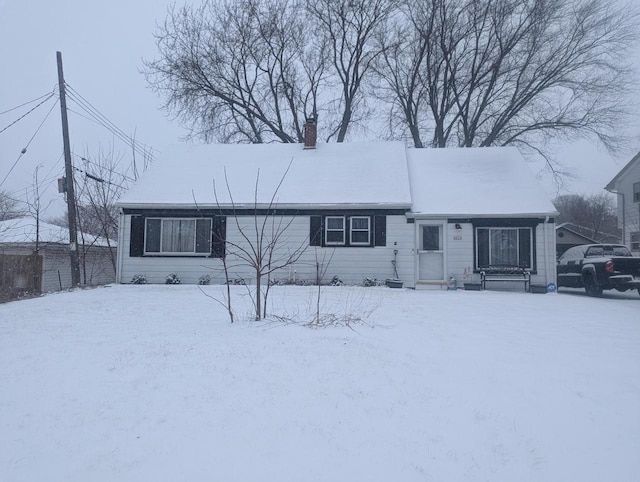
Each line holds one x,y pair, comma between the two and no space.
109,170
47,179
27,103
27,113
139,147
96,178
24,149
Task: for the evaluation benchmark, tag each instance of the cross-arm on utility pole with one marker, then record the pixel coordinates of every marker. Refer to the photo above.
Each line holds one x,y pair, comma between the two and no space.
71,198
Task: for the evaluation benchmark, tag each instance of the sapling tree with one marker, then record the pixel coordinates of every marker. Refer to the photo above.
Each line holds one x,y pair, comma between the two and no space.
260,243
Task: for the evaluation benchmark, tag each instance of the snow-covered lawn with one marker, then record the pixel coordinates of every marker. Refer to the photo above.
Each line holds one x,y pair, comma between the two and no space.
152,383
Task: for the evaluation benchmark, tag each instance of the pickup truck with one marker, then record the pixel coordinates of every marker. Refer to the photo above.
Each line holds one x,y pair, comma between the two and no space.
598,267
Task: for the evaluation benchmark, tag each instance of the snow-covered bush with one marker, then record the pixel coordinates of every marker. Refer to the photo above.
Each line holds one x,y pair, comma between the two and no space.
205,279
172,279
139,279
336,281
370,281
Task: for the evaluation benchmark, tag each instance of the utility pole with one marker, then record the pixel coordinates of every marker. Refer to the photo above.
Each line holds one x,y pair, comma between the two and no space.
71,198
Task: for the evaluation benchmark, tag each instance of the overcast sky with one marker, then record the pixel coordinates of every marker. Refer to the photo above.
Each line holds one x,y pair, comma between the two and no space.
103,44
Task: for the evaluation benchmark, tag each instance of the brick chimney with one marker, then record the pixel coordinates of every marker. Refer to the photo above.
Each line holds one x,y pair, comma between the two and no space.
310,132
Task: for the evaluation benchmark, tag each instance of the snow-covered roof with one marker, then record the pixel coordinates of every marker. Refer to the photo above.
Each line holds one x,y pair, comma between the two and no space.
355,174
482,181
487,181
23,231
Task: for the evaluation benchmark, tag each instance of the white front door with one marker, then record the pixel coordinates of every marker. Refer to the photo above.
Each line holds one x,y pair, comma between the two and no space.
430,241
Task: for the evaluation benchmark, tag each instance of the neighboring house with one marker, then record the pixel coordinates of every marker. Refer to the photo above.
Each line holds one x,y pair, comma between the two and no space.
361,207
24,237
626,186
569,235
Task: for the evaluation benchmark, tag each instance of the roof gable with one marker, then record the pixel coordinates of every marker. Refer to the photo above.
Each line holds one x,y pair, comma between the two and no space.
612,186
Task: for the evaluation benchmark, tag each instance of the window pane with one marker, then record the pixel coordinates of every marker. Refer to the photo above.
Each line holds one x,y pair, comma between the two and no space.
152,238
360,223
187,236
360,237
504,247
431,238
335,236
335,223
169,235
178,235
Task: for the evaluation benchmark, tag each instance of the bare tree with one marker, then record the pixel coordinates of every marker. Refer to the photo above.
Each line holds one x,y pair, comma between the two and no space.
9,207
498,72
261,244
349,28
238,71
100,184
595,214
255,70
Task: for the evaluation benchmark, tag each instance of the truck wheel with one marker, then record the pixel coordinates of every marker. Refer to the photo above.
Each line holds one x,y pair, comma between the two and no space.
590,286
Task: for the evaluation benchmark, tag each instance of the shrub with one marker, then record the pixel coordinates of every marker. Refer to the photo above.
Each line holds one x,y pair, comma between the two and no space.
335,281
172,279
205,279
370,281
139,279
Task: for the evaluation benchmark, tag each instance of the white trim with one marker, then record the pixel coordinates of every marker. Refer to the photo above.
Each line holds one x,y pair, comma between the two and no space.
326,230
418,251
368,231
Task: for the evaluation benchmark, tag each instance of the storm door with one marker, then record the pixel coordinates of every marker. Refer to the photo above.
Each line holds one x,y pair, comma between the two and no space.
430,252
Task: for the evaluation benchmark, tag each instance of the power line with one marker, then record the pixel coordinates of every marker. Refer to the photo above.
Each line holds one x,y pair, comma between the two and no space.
24,149
27,103
108,169
97,179
46,179
103,120
27,113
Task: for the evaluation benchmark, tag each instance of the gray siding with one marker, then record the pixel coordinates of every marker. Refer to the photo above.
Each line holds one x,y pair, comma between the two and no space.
350,264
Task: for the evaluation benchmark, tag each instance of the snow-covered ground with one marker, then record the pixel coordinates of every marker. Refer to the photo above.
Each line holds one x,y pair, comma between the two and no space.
140,383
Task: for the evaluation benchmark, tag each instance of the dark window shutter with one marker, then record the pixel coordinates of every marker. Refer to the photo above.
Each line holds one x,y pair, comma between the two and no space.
482,240
525,247
380,230
315,231
136,240
218,237
203,235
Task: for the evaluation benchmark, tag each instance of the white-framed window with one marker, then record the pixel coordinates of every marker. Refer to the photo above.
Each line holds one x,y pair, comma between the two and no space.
334,230
506,247
636,192
360,232
635,241
182,236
